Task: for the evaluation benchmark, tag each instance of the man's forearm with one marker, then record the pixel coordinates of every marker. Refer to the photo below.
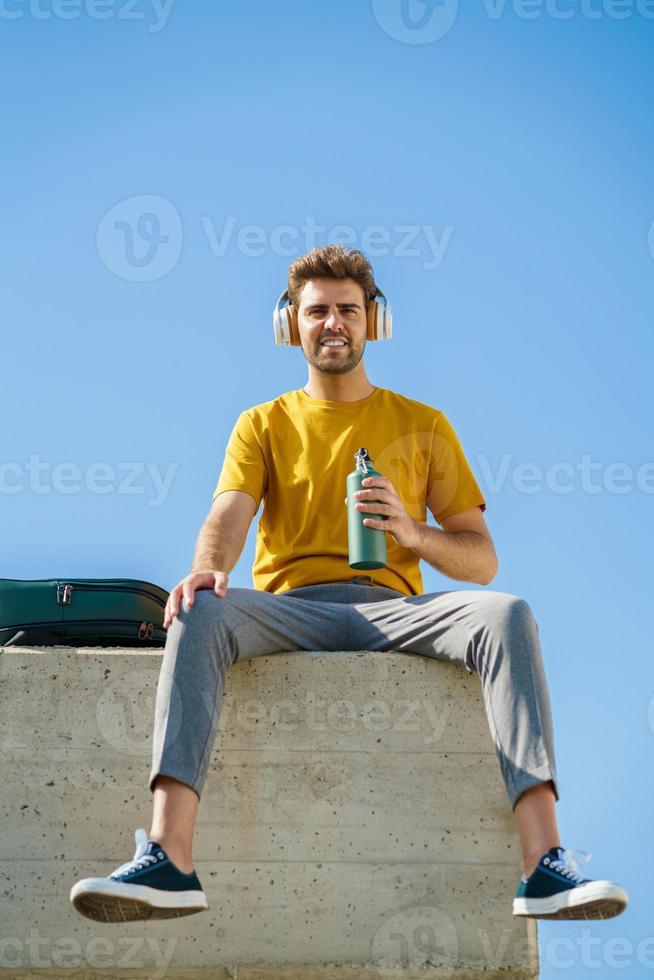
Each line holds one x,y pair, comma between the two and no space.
463,555
218,546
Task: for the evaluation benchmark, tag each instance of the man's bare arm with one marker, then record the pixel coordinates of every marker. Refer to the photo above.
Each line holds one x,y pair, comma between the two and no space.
223,534
218,548
463,550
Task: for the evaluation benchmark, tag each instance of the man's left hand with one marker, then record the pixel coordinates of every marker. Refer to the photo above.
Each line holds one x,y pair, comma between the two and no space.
403,528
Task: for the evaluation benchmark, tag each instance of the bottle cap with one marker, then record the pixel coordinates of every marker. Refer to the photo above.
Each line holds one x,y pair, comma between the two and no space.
362,460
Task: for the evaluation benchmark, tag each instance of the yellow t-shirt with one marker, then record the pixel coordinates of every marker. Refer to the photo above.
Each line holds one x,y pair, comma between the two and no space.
295,452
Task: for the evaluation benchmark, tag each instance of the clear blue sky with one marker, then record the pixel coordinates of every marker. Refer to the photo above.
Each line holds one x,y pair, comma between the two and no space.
515,143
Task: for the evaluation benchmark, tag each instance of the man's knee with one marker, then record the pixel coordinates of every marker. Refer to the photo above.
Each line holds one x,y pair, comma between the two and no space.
206,607
506,613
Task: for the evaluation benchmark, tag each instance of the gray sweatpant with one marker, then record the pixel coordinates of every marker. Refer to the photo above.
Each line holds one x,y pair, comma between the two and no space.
493,634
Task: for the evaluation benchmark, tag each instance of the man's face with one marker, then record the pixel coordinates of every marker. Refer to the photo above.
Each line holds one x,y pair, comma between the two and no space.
332,309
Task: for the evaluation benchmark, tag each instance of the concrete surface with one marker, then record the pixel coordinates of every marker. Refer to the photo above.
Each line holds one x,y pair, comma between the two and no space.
354,823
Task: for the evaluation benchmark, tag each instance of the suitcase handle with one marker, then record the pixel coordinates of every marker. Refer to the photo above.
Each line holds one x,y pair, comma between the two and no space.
15,638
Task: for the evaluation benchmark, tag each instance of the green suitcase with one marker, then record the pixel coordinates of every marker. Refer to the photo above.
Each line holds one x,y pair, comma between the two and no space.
82,612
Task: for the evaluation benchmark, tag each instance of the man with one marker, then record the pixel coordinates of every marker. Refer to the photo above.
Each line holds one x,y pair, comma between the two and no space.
294,453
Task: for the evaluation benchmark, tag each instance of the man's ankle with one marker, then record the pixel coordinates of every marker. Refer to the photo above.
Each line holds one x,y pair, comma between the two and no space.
530,861
179,854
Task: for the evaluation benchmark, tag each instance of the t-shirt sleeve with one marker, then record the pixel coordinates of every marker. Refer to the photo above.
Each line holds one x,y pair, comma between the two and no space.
244,466
451,484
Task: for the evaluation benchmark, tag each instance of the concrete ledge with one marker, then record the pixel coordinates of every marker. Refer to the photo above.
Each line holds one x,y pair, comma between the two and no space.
336,971
354,823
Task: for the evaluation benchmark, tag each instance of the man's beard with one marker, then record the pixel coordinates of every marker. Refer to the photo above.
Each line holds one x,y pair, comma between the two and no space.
335,364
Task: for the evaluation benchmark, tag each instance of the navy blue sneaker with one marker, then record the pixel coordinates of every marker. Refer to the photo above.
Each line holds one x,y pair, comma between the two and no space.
557,890
149,886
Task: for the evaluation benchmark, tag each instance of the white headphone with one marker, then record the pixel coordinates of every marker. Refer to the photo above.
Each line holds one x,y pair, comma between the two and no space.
379,318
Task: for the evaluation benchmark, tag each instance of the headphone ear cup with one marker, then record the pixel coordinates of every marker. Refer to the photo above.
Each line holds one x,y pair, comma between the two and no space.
285,323
371,320
294,331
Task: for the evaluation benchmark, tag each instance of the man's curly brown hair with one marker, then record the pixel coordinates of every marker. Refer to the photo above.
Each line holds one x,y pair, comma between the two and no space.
331,262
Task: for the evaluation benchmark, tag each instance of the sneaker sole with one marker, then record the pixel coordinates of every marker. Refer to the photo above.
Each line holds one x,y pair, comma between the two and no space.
594,901
117,902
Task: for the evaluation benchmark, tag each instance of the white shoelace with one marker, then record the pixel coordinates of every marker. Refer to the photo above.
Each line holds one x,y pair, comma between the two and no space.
140,859
569,863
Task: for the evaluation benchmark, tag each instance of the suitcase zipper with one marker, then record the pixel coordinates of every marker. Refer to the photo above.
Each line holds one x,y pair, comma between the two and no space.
65,591
145,630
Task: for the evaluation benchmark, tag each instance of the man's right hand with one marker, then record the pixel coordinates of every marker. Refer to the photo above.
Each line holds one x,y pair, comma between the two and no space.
185,590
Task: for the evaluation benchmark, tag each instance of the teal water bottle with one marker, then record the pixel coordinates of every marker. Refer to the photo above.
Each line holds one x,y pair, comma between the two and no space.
367,545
